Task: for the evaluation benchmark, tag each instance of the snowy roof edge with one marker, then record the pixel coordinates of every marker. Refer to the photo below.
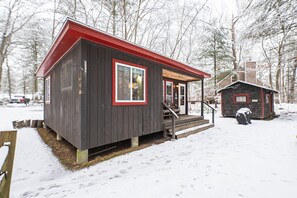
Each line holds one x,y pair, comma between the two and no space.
66,22
240,81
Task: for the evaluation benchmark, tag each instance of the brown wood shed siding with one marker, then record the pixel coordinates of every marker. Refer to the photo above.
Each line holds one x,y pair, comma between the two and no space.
267,111
230,108
63,114
106,123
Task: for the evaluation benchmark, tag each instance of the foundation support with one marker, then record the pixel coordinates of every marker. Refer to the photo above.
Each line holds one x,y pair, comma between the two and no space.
82,156
134,142
59,137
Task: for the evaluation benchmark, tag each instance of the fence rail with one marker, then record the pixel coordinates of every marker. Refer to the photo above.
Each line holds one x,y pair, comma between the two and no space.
7,146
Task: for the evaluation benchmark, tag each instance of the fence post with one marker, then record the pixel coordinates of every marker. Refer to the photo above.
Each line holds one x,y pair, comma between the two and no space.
7,138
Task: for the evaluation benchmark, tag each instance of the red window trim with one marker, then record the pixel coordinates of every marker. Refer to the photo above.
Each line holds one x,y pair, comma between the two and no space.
117,103
165,89
247,98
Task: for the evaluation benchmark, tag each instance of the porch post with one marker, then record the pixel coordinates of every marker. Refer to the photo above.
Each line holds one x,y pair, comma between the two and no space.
202,97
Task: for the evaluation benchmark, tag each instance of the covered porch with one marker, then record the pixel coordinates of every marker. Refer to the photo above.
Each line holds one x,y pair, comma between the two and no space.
175,86
176,119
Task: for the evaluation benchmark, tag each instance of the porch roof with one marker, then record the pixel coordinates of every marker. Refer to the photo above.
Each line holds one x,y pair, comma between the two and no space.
72,31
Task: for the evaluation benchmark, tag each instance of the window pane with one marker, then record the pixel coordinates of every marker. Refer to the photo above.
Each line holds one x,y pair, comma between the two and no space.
169,92
123,80
137,84
182,90
47,90
240,98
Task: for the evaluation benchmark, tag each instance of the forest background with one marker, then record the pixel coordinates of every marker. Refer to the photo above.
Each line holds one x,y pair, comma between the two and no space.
211,35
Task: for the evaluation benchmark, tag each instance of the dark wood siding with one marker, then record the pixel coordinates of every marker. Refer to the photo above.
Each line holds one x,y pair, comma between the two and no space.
106,123
257,102
63,113
230,107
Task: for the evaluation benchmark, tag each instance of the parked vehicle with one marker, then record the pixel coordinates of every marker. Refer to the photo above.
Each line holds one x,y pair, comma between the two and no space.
19,99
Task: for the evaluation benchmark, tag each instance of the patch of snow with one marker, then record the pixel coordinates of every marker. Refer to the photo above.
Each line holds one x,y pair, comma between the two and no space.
192,129
3,154
244,110
229,160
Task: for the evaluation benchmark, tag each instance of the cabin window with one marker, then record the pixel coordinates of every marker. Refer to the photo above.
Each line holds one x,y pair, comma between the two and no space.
241,98
47,92
129,83
66,76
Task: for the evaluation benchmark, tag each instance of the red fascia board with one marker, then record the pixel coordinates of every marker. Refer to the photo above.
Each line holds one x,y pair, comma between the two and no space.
81,31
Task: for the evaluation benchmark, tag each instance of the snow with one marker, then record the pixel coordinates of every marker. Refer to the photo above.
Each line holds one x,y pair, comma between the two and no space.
243,111
229,160
3,154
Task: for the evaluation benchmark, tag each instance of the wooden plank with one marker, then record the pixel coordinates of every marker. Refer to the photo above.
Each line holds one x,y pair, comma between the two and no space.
107,94
7,136
126,123
93,85
101,96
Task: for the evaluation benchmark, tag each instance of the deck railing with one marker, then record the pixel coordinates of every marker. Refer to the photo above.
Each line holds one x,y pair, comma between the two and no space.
212,110
196,107
173,116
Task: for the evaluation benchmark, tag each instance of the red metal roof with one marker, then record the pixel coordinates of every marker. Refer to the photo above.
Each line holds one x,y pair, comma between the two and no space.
73,31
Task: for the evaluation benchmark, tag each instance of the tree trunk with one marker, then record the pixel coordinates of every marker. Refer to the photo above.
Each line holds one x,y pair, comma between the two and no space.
293,80
278,81
113,17
9,81
35,58
125,19
233,41
215,67
270,76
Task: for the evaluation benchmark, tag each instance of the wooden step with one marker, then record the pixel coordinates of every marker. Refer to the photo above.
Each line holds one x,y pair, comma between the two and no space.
193,130
182,120
182,126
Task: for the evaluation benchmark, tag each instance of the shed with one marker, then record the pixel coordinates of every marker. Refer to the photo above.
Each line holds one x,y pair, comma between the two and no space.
240,94
100,89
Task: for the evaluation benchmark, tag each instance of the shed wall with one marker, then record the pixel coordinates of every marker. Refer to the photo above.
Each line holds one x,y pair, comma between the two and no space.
229,107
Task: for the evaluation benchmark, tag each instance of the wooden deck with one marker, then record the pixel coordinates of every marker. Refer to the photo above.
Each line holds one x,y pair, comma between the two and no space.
182,119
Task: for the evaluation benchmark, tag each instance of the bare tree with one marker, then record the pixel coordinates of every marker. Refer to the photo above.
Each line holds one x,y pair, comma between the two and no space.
15,19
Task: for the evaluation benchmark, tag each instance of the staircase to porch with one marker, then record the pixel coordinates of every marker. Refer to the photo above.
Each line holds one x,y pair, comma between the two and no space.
186,125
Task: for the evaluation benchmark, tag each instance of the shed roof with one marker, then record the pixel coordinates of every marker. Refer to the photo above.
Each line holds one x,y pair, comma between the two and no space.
72,31
247,83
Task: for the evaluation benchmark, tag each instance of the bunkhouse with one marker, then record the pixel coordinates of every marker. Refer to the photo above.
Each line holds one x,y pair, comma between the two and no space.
240,94
100,89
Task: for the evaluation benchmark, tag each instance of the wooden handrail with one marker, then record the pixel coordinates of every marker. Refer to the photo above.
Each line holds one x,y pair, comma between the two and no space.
212,110
171,110
174,115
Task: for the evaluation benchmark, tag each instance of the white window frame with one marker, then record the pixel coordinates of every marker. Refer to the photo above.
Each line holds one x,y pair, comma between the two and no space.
47,90
131,91
239,99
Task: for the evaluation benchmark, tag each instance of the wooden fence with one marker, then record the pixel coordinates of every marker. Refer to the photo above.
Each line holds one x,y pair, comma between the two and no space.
7,150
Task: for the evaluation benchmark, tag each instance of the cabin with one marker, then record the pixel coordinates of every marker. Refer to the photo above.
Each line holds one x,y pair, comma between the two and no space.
100,89
240,94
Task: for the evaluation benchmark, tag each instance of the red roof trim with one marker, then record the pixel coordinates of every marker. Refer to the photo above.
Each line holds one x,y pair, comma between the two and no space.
73,31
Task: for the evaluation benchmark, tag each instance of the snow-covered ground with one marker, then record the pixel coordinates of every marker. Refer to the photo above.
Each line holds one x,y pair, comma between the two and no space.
229,160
